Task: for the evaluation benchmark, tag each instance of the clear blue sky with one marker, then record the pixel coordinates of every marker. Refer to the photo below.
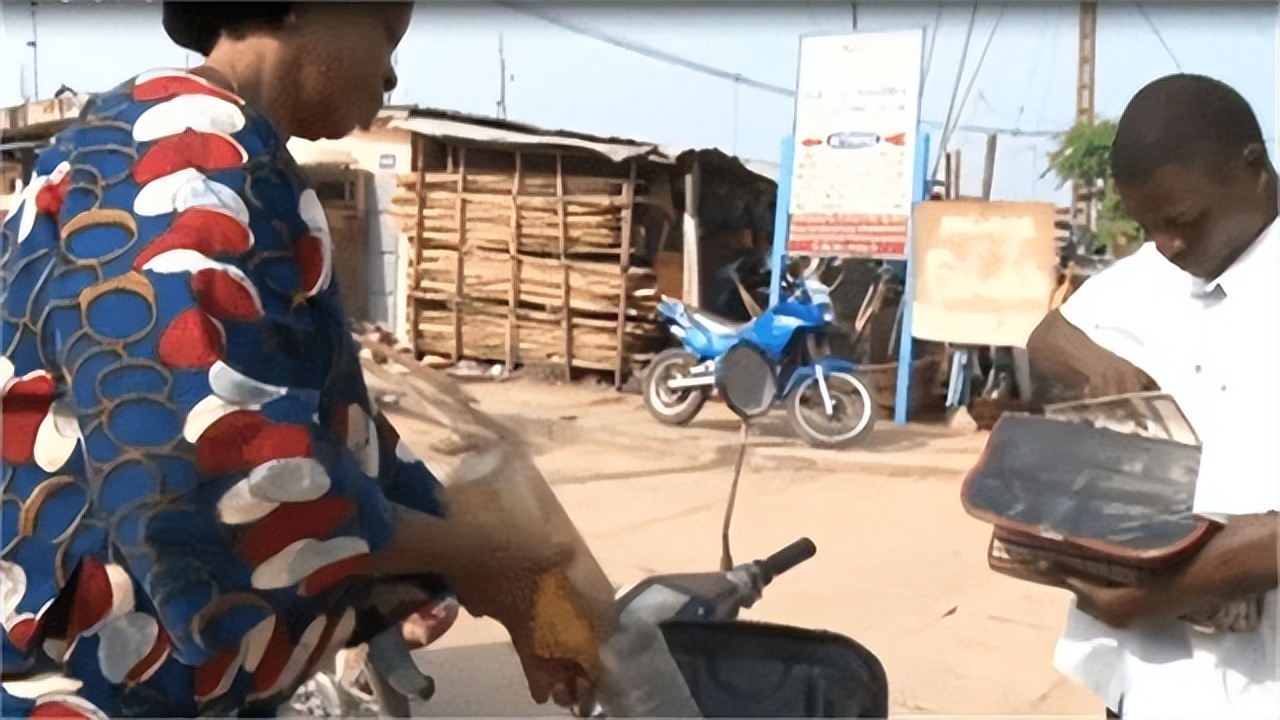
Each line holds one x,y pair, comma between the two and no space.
567,80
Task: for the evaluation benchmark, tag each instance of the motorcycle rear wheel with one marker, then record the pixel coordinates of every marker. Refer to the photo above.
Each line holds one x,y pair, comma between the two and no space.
853,417
671,406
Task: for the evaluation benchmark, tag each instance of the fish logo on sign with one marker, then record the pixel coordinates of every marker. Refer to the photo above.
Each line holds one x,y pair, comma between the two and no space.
859,140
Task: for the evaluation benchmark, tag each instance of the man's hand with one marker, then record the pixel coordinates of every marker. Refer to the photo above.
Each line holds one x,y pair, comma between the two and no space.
1240,560
1120,607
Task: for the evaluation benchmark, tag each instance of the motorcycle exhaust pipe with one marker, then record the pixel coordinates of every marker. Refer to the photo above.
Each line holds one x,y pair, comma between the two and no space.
700,381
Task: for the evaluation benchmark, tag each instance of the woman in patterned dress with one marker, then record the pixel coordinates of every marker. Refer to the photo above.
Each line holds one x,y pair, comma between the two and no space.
199,505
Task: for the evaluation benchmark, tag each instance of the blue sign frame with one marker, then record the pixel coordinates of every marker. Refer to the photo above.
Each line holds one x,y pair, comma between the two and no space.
778,260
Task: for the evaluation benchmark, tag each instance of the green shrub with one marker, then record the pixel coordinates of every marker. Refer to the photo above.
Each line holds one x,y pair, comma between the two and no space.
1083,156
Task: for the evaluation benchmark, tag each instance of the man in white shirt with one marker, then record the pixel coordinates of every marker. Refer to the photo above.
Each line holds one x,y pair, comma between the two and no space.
1194,312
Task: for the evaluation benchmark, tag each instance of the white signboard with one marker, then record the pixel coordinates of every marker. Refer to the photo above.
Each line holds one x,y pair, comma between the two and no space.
853,176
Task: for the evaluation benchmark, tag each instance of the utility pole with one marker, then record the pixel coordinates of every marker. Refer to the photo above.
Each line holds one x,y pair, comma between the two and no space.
502,80
35,54
1082,196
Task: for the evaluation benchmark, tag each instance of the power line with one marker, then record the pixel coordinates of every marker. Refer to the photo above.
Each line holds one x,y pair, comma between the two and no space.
649,52
988,130
973,79
955,91
933,40
737,78
1159,36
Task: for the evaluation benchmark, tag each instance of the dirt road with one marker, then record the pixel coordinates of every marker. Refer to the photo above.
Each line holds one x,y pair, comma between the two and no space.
900,567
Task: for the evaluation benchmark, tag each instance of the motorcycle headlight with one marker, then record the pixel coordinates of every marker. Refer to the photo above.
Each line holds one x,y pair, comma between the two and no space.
828,316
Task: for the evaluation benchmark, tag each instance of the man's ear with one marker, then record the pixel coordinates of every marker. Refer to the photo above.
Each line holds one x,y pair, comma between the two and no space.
1257,163
1255,156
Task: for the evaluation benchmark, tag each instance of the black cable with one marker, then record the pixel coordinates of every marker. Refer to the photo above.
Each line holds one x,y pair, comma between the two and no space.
662,56
955,92
649,52
1159,36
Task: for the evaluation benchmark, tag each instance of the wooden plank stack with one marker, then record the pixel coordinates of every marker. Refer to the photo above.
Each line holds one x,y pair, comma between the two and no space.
526,268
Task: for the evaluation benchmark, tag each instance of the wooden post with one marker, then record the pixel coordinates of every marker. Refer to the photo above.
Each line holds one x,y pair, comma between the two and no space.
691,293
565,292
624,267
459,280
419,149
1082,195
989,166
955,172
948,188
513,253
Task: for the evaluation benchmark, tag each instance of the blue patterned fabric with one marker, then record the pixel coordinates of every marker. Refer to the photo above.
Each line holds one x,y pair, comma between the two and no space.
193,479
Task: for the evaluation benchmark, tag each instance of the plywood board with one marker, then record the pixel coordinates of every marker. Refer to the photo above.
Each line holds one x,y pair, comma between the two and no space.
985,271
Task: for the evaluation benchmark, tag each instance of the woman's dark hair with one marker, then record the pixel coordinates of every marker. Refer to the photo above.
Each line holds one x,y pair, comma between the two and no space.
197,25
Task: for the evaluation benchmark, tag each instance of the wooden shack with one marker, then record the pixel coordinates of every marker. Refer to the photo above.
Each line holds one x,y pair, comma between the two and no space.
25,130
527,247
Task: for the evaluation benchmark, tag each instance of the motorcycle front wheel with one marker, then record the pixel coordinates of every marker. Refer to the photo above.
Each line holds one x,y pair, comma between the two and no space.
668,405
853,411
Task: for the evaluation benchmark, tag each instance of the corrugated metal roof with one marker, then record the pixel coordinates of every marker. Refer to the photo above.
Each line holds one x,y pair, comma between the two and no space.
459,126
763,168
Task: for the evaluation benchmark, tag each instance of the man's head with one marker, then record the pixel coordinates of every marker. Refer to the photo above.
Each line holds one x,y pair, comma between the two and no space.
1191,167
318,69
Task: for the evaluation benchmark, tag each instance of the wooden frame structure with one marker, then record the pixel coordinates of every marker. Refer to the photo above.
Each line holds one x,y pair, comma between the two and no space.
511,246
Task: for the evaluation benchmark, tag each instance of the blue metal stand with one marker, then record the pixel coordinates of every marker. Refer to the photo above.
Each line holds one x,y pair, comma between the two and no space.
778,257
781,221
906,343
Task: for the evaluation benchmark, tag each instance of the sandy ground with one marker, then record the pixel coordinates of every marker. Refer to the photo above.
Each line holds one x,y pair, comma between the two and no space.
900,567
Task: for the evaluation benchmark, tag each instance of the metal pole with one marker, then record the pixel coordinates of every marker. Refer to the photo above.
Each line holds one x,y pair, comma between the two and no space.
35,53
736,84
502,80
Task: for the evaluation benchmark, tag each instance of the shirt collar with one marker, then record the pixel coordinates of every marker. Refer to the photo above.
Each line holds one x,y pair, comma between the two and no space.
1257,264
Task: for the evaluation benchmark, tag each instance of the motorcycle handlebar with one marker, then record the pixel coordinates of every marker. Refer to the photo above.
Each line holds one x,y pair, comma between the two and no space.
786,559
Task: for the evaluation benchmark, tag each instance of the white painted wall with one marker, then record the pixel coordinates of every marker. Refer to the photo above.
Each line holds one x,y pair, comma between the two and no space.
385,154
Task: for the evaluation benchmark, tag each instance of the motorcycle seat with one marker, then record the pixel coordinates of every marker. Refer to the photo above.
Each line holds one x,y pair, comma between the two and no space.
715,324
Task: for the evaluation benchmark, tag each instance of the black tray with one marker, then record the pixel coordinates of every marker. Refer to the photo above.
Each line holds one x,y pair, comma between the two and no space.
757,670
1116,495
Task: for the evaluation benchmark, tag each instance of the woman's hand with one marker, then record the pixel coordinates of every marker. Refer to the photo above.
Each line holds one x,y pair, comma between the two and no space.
497,576
493,566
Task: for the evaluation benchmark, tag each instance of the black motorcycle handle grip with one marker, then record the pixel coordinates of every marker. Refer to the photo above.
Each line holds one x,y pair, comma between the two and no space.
786,559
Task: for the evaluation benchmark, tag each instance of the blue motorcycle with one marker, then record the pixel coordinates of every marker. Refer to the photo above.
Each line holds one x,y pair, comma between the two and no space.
827,402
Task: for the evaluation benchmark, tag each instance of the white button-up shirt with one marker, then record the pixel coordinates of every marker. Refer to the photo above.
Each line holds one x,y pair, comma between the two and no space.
1213,348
